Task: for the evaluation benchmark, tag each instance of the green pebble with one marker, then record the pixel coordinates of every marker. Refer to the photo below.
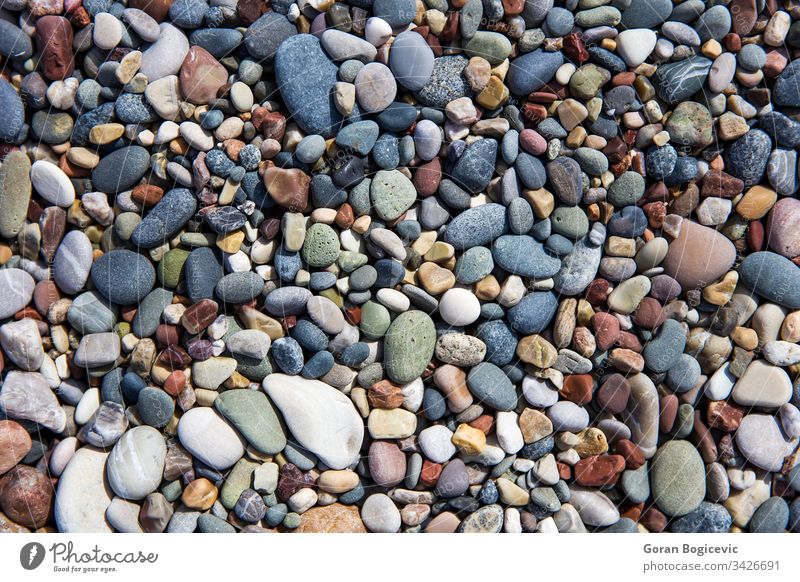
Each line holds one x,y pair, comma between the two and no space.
321,247
492,46
172,490
587,80
392,194
125,224
349,261
569,221
626,189
292,520
237,481
601,16
253,415
678,478
198,239
408,346
375,320
170,267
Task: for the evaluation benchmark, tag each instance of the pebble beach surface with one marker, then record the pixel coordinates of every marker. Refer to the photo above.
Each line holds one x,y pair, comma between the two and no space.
399,266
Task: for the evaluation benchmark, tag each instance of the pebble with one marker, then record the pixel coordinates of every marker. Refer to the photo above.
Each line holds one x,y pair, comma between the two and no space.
19,286
253,415
208,437
136,463
83,496
760,440
411,60
304,404
678,478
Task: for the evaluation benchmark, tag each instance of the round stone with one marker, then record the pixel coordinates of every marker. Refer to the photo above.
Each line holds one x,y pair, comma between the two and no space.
678,478
136,463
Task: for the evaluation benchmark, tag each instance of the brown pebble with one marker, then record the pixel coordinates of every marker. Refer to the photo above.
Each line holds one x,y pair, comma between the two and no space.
147,195
26,496
613,394
45,294
578,388
15,443
200,315
200,494
599,470
668,406
633,455
606,330
385,394
723,415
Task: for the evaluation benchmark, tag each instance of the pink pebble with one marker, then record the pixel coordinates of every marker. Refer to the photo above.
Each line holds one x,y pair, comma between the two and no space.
532,142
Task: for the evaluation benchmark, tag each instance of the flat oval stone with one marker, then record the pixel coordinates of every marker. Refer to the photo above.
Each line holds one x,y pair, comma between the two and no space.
678,81
265,35
165,56
72,262
18,288
594,507
762,385
15,193
253,415
478,226
239,287
12,117
532,71
408,346
202,273
322,419
783,227
762,442
476,166
83,494
136,463
52,183
123,276
534,312
523,255
205,435
699,256
641,414
678,478
490,385
121,169
411,60
305,77
773,277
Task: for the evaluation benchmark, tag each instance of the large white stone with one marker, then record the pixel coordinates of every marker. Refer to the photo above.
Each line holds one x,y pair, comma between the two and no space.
52,184
83,494
22,343
320,417
208,437
762,442
17,286
27,396
136,463
594,507
763,384
459,307
641,414
635,45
